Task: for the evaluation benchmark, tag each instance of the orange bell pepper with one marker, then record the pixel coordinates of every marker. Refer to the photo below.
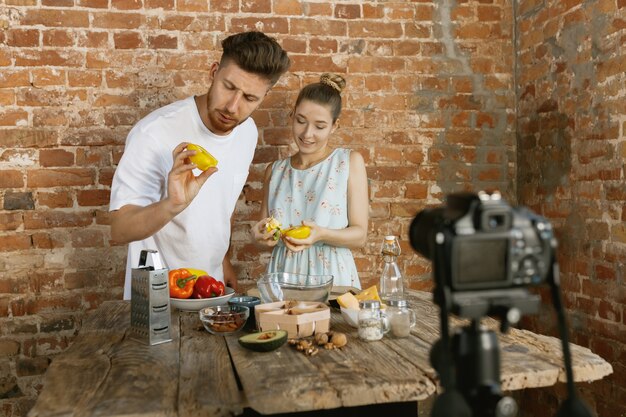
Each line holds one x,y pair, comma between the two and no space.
181,283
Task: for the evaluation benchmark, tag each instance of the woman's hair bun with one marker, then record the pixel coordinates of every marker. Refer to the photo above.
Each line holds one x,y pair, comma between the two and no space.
335,81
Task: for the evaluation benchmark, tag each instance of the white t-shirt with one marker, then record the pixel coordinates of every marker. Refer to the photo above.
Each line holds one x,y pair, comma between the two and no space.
199,236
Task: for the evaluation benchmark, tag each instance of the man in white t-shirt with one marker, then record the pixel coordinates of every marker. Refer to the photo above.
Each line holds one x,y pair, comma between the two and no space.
159,199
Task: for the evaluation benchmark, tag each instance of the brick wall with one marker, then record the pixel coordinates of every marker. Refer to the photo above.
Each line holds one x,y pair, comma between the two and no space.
571,89
430,104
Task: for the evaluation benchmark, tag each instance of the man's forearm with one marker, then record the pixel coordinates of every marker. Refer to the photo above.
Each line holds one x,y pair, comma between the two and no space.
131,223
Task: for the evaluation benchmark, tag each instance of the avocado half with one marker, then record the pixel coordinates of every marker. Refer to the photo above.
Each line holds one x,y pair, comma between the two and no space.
264,341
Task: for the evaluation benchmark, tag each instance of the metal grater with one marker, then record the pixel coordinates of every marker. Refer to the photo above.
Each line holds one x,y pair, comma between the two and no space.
150,319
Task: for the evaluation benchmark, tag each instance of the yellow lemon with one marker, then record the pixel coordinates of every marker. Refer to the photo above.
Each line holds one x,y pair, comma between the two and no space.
203,159
300,232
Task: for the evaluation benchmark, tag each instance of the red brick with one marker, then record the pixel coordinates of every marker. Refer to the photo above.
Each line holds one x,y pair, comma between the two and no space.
322,46
11,179
489,13
55,18
93,40
416,191
15,242
60,38
51,219
57,3
365,29
49,117
60,177
13,117
22,38
14,79
55,199
256,6
126,4
610,311
55,157
347,11
127,40
270,25
93,197
417,31
159,4
225,6
111,20
87,238
82,78
192,6
33,58
49,240
424,12
9,347
163,42
373,11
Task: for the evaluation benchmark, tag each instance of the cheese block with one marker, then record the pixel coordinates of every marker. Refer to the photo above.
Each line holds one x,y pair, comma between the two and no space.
370,293
348,300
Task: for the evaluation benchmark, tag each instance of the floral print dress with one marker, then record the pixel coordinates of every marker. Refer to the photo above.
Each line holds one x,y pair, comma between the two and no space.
318,194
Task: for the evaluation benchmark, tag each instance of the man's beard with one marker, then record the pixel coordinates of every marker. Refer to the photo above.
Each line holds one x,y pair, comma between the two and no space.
219,124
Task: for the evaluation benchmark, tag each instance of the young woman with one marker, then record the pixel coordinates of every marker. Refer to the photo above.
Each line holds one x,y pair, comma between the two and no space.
321,187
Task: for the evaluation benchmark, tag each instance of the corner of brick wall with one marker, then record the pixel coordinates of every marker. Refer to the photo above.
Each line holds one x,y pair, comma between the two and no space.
571,90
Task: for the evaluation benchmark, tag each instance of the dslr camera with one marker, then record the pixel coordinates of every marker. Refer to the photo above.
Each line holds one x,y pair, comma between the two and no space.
483,250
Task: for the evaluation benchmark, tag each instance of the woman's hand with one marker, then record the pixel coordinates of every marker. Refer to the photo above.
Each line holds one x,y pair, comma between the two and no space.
297,245
262,236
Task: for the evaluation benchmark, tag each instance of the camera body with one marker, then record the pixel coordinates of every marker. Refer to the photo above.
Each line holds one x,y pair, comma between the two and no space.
479,242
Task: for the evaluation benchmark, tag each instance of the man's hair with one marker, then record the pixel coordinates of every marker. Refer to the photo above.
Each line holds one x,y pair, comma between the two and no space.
257,53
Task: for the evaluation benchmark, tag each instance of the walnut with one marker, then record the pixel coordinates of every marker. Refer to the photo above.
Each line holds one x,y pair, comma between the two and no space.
321,339
339,339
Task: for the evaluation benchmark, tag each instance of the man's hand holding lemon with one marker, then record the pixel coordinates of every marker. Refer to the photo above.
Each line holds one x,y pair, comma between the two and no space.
182,184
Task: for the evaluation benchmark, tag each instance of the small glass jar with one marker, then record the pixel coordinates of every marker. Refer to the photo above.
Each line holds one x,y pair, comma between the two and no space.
250,302
401,318
372,322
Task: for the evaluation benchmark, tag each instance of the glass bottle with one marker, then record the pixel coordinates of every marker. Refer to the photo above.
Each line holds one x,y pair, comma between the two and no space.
372,323
391,286
401,318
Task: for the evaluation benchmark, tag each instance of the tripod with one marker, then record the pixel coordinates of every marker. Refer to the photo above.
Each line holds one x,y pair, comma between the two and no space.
476,363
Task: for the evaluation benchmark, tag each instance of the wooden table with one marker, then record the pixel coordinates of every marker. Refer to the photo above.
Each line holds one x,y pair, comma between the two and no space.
105,373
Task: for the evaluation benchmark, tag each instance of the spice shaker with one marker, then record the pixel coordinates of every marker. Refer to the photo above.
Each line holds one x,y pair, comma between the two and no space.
401,318
372,322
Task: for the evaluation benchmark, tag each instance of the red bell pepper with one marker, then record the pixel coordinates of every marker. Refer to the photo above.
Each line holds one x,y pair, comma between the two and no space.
207,287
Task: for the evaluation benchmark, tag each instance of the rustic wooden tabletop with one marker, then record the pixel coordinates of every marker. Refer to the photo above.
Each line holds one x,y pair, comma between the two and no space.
105,373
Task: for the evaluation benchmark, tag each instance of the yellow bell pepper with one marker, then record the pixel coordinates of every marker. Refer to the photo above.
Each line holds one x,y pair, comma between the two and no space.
299,232
203,159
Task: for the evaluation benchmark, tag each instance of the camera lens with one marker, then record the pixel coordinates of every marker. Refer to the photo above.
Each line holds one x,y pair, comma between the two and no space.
422,228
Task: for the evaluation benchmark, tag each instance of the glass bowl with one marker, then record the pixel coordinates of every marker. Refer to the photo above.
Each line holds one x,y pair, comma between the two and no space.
224,319
281,286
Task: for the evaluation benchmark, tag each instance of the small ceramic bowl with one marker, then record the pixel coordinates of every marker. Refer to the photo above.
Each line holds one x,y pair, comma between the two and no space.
224,319
250,302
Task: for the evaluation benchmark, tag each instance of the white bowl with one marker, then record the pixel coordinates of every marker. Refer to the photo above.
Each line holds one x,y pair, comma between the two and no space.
195,304
351,316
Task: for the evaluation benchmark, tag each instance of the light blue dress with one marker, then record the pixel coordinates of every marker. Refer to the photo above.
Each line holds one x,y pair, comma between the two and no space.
318,194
